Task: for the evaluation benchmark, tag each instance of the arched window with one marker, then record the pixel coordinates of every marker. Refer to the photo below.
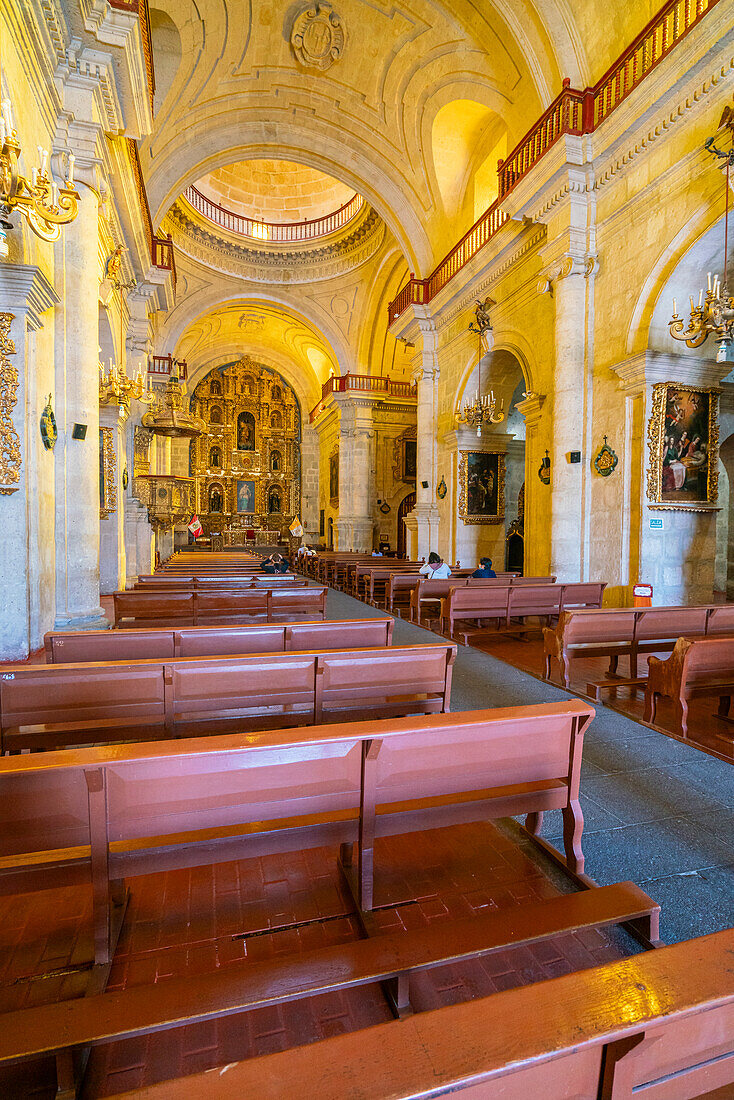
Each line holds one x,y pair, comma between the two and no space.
274,502
215,415
276,461
215,387
215,458
276,420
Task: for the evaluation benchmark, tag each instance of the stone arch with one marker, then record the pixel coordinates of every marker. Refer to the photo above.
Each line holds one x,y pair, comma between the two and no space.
168,51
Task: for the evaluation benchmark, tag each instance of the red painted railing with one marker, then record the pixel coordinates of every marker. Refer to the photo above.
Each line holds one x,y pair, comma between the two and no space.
572,112
140,8
273,232
365,383
162,365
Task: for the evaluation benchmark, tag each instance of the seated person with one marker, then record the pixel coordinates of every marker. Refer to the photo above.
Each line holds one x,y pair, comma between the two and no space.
274,564
435,568
377,553
485,569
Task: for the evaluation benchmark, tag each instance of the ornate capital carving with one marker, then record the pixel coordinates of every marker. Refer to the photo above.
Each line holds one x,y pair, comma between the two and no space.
570,264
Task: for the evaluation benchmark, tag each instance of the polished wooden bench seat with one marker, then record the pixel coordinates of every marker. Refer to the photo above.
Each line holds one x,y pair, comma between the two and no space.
72,1026
658,1026
185,583
431,593
505,603
199,641
697,668
45,706
628,631
193,608
105,813
399,588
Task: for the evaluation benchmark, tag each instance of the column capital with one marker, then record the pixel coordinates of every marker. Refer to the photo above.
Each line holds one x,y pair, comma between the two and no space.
571,263
25,289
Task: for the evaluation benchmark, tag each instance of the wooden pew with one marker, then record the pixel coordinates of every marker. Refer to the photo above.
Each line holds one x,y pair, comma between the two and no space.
186,583
66,1027
135,645
697,668
193,608
628,631
658,1025
45,706
505,603
433,592
110,812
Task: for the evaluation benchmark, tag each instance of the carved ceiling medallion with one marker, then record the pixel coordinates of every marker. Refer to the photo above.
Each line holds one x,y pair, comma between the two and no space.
318,37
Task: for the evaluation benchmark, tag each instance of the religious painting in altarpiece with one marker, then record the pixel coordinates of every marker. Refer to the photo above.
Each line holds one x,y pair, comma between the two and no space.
249,458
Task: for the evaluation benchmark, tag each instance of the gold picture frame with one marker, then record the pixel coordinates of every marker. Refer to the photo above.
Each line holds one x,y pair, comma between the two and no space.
683,440
482,486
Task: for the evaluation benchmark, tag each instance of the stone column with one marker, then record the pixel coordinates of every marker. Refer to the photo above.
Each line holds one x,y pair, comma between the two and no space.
77,391
26,467
422,525
569,488
112,563
537,495
355,525
310,484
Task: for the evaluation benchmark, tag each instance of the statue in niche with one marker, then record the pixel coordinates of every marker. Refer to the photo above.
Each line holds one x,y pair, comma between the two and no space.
276,462
274,506
215,458
276,420
215,499
215,387
275,394
245,432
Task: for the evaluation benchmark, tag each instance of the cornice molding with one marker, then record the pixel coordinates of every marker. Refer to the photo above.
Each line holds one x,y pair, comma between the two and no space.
25,289
648,367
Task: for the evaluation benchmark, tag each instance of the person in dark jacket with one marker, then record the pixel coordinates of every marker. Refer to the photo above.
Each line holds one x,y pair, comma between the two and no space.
275,564
485,569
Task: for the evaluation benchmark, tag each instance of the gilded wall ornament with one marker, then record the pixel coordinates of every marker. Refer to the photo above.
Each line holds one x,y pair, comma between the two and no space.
107,473
544,471
683,439
10,458
318,37
49,432
606,461
442,489
482,487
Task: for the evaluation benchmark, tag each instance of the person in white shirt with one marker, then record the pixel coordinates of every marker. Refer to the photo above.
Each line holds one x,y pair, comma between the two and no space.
436,569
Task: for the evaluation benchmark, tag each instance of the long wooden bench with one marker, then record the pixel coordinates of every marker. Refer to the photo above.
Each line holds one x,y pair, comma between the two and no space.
45,706
658,1025
194,608
110,812
375,580
156,581
130,645
505,603
628,631
696,668
429,592
354,574
61,1029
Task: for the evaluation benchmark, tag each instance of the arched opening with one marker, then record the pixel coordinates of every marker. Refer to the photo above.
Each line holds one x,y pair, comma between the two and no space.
215,415
166,43
407,504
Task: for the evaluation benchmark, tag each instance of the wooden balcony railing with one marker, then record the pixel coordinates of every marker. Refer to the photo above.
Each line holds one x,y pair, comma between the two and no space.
162,365
364,383
273,232
572,112
161,248
140,8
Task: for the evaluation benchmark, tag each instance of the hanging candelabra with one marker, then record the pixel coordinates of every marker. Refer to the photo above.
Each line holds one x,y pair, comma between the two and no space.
714,313
483,409
44,204
117,388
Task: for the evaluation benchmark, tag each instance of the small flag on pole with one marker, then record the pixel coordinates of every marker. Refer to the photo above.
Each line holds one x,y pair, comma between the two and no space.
195,527
296,528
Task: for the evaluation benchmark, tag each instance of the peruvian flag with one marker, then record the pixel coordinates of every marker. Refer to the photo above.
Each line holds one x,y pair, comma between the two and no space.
195,527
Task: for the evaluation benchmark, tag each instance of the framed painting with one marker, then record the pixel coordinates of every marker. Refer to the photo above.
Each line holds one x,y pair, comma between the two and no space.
683,437
334,477
245,496
482,487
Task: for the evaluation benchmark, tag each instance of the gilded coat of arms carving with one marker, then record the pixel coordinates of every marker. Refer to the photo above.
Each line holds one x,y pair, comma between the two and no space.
318,37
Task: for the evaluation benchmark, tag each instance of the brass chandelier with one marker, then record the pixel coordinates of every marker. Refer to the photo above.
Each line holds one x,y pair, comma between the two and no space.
714,313
117,388
483,409
43,204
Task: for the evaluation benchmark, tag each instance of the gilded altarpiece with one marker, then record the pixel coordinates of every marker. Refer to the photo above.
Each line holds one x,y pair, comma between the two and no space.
247,464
